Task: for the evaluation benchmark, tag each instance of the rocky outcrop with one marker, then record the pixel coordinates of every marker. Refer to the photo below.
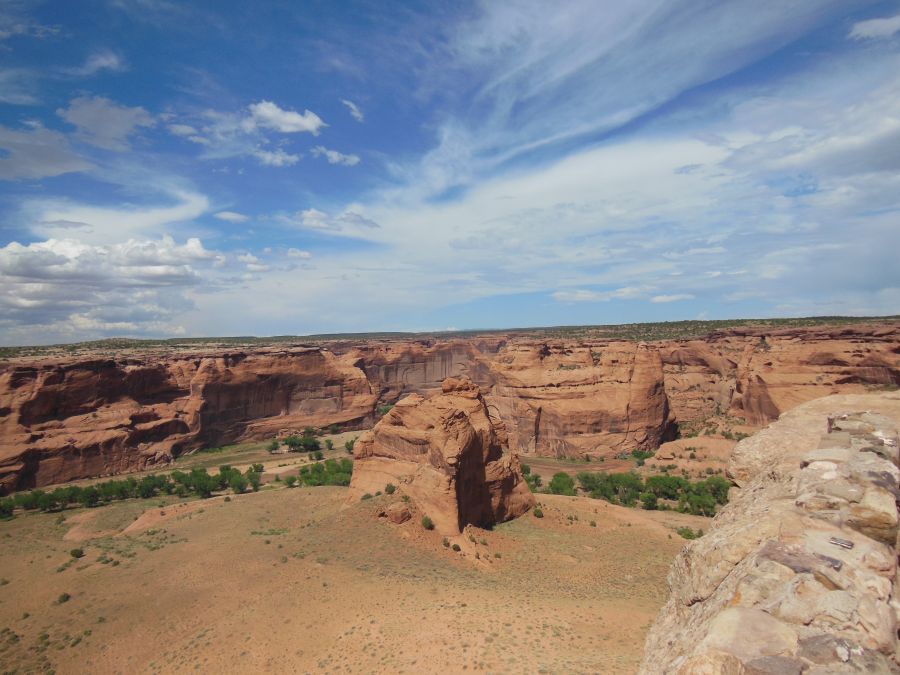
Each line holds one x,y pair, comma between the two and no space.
446,453
799,572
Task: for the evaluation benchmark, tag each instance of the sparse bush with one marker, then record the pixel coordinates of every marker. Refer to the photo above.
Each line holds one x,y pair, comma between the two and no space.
446,542
329,444
427,523
593,523
365,496
538,513
319,455
77,553
688,533
290,481
390,488
649,500
63,598
456,548
348,446
274,446
7,506
238,483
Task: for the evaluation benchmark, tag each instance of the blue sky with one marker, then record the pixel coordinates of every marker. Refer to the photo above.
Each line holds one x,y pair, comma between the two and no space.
229,168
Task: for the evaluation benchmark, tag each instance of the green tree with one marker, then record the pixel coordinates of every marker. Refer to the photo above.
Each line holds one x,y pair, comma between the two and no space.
238,483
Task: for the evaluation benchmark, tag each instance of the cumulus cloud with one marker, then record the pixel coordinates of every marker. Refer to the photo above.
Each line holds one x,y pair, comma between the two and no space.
231,217
105,123
67,289
299,254
335,157
248,134
876,29
36,152
275,157
267,115
355,112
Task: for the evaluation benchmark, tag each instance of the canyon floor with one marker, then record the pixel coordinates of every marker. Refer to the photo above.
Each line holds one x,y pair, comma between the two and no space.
299,580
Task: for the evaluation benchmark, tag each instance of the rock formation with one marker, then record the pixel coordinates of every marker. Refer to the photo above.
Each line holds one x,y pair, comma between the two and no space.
799,571
75,418
446,453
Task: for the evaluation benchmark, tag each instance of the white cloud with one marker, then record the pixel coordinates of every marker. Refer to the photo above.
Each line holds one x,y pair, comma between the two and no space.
875,29
355,112
275,157
298,253
36,152
66,289
18,86
335,157
104,123
627,293
675,297
348,222
268,115
231,217
100,61
101,224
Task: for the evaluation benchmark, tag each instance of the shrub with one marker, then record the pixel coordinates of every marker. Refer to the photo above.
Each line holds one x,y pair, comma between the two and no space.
456,548
446,542
534,481
688,533
319,455
77,553
526,470
593,523
427,523
562,484
63,598
538,513
290,481
384,410
649,500
390,488
274,445
366,496
348,446
6,508
254,479
329,444
257,468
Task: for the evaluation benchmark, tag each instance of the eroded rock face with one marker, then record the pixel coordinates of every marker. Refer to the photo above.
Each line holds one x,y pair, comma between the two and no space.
89,418
799,571
71,419
446,453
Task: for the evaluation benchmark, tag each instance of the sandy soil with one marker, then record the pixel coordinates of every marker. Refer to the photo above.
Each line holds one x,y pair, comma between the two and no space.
297,580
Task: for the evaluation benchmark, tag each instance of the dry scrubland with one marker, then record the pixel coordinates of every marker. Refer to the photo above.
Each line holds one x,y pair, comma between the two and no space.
298,580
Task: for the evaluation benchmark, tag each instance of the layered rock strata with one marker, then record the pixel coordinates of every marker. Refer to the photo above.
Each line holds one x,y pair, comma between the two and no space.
447,455
799,572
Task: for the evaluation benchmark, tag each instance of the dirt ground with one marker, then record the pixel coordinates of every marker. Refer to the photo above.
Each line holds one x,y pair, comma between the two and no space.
297,580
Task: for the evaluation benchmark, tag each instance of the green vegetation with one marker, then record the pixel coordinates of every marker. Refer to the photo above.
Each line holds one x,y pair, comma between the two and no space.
698,498
538,513
329,472
390,488
534,481
562,484
307,442
291,481
348,446
77,553
427,523
385,409
688,533
274,445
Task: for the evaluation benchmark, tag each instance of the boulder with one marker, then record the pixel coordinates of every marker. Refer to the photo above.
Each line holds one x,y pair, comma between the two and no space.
447,454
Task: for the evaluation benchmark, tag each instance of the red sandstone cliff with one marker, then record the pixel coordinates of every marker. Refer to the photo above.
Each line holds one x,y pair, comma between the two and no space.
67,419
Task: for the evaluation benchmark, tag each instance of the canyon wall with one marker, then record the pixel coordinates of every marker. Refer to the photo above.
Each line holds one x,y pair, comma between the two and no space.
798,573
71,418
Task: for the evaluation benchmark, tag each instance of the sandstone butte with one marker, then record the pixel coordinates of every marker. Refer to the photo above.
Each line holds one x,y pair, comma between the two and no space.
68,418
798,573
447,455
